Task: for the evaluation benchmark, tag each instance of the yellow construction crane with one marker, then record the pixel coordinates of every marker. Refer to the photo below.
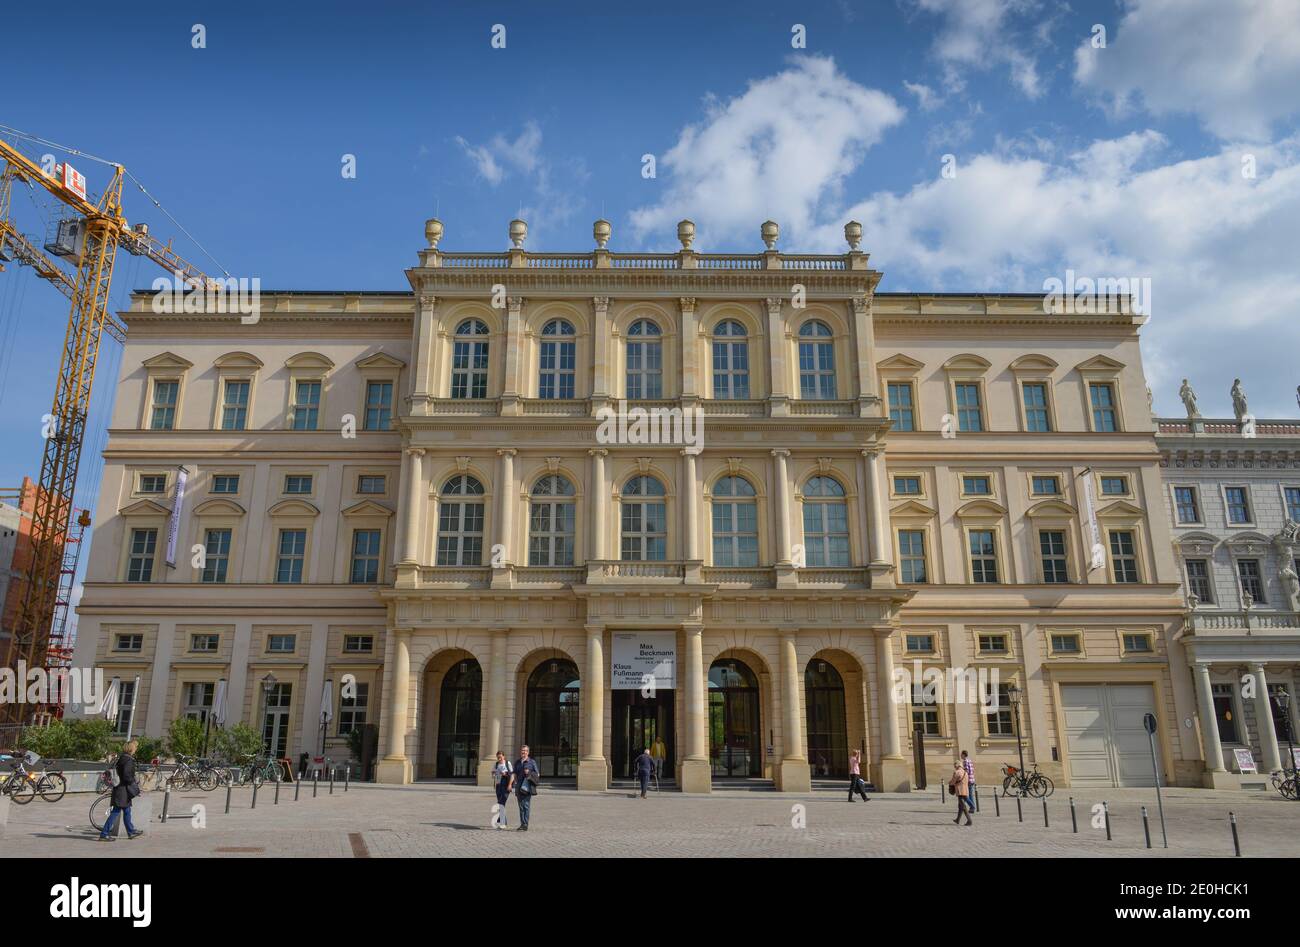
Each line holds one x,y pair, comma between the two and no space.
90,240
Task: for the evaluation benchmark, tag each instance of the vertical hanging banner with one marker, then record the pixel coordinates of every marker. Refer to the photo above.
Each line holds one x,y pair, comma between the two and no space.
1097,552
173,523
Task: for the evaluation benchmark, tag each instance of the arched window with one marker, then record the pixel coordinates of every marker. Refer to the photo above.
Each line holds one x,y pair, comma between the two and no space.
730,361
458,719
735,523
735,734
556,360
828,738
645,361
825,523
460,522
645,521
469,360
550,522
816,362
552,707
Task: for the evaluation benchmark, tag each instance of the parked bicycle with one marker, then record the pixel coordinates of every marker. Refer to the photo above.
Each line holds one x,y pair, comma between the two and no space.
22,785
1032,783
1284,781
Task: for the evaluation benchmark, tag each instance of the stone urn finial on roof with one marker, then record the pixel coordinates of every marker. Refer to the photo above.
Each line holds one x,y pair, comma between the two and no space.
853,234
433,232
518,233
770,231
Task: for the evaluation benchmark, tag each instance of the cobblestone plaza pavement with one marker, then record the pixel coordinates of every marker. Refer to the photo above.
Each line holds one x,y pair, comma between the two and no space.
453,821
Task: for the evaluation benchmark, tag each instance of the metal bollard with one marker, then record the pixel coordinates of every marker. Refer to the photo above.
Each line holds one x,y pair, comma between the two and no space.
315,777
1236,842
255,785
1020,814
1045,825
1074,817
331,780
1146,826
997,806
1105,808
976,791
347,777
229,787
276,800
297,786
167,799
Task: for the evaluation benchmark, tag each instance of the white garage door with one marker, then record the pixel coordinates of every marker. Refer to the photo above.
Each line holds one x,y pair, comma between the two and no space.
1104,735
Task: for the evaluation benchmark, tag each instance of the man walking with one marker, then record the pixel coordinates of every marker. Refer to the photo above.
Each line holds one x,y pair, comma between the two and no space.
526,776
969,766
645,765
658,753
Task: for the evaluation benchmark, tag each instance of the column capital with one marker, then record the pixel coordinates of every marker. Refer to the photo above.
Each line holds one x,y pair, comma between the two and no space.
774,304
780,452
514,303
428,301
506,452
870,452
400,633
600,303
415,452
693,627
861,304
597,452
687,303
595,629
1256,667
691,451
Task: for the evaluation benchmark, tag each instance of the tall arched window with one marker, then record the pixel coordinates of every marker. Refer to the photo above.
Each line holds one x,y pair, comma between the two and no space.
735,523
460,522
469,360
552,706
730,361
550,522
645,361
825,523
556,360
645,521
816,362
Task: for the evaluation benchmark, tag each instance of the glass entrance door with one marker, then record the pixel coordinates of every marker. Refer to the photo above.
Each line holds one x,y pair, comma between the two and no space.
458,720
638,722
735,738
828,738
275,722
551,722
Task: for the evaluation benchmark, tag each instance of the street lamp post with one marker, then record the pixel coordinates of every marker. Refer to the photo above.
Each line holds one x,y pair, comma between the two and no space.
1013,692
1284,704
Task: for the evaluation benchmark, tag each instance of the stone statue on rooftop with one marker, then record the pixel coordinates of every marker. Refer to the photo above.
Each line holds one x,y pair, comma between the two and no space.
1189,400
1239,407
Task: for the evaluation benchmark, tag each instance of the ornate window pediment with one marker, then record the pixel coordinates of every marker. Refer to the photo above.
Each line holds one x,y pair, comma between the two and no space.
379,361
913,508
1033,363
309,360
167,361
1102,364
293,508
238,361
967,363
1196,544
981,508
144,508
1121,508
367,508
219,507
1051,508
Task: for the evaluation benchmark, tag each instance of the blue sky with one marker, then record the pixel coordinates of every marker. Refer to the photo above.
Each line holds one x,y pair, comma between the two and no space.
1122,161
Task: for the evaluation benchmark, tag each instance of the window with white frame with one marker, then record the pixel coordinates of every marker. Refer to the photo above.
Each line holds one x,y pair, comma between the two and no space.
469,360
730,361
907,486
556,360
139,564
1104,415
825,523
1051,545
153,483
1137,643
1252,580
234,405
982,544
225,483
644,521
352,708
299,484
196,700
379,406
365,556
645,361
460,522
993,643
358,644
1237,502
129,642
816,361
911,557
125,707
1114,486
1198,580
1291,496
162,415
1187,505
205,643
902,410
291,554
306,405
1037,419
1046,486
1123,556
998,722
372,484
975,486
216,555
925,711
281,644
970,415
735,523
918,643
1063,643
551,522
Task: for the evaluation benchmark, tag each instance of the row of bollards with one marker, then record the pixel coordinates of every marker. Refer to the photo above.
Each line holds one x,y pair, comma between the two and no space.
297,788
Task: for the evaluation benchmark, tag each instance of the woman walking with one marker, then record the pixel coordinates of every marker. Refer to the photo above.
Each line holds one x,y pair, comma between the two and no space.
125,789
855,776
959,785
504,774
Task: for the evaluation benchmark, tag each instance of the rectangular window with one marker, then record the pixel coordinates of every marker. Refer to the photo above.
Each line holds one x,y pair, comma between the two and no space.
1036,419
1123,556
197,700
205,643
1046,486
352,709
358,644
216,555
1251,580
306,405
373,485
293,549
139,566
379,405
1292,495
163,415
993,644
925,714
907,486
983,556
999,721
1238,504
365,556
919,644
1065,644
911,556
125,704
225,483
1188,509
129,643
153,483
969,417
1224,713
234,406
1051,543
281,644
1114,486
297,483
901,409
975,486
1103,406
1137,644
1198,581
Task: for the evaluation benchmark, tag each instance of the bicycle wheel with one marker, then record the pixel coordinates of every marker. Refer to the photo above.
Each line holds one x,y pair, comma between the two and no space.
1040,786
99,810
1287,788
52,787
22,791
208,780
1007,783
180,780
255,777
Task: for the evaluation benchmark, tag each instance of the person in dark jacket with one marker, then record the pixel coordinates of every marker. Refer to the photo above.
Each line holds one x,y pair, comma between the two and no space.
645,766
526,776
126,790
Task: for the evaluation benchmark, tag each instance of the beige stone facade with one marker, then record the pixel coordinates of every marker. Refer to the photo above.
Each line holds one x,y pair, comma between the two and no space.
794,559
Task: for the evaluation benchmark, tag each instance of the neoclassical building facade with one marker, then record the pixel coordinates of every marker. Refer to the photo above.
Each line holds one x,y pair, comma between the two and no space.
741,504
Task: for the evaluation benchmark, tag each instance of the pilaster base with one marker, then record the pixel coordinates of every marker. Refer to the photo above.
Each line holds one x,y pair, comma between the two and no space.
895,775
696,776
793,776
787,576
484,775
882,575
593,775
1220,780
396,770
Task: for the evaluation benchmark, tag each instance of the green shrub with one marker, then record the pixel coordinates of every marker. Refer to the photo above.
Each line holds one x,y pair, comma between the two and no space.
80,739
185,737
149,748
235,742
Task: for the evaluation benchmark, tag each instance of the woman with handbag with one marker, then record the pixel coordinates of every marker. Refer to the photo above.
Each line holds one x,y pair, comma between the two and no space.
959,786
504,774
125,788
855,776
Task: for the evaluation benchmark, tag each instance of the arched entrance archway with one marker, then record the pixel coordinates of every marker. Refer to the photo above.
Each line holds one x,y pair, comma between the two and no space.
553,712
827,723
459,707
735,734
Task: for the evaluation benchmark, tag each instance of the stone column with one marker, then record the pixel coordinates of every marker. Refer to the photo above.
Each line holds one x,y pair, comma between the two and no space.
690,508
510,393
592,773
894,775
881,550
1268,749
491,739
414,501
506,504
864,351
599,350
793,774
395,767
422,349
1211,745
780,393
694,770
600,503
690,363
785,568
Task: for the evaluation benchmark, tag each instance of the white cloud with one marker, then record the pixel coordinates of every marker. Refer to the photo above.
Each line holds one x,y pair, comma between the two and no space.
979,34
926,97
781,149
1234,64
493,159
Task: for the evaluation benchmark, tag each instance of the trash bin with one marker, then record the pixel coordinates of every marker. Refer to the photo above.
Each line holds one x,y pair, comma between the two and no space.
302,765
